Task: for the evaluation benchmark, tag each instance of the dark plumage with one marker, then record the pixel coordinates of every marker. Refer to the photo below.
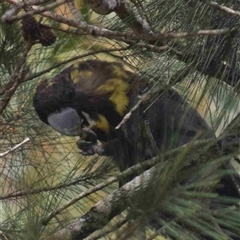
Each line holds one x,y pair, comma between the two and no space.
97,95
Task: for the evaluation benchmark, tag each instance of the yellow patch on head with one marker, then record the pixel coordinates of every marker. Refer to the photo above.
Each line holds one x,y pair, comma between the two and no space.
102,123
118,89
119,71
76,74
86,74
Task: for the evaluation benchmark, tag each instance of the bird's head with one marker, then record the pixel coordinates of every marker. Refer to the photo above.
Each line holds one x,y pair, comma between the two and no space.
53,102
90,93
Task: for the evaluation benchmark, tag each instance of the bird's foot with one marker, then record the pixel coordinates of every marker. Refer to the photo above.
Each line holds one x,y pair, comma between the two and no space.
88,143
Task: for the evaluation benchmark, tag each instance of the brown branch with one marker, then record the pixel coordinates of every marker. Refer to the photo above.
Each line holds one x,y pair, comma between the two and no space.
137,24
103,32
11,16
15,147
122,175
74,11
85,28
16,79
142,11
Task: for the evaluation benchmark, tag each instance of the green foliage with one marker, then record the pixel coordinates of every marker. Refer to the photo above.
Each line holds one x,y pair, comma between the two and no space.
48,171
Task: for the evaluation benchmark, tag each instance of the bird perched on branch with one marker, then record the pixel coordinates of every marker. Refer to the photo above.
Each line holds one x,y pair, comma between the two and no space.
89,99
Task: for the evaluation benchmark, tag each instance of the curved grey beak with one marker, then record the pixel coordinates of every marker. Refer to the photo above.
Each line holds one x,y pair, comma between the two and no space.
66,122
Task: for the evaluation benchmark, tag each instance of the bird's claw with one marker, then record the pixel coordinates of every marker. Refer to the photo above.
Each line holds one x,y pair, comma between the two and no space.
88,135
86,147
88,143
89,148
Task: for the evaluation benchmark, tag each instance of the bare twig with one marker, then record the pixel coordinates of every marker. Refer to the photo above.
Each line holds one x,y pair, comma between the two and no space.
3,236
39,190
143,98
74,11
142,11
21,4
222,8
15,147
88,29
137,24
11,16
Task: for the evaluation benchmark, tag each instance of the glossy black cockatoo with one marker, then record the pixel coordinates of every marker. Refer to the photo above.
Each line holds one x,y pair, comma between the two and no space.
89,99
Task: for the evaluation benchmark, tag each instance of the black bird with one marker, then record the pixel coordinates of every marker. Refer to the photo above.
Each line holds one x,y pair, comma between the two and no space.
90,98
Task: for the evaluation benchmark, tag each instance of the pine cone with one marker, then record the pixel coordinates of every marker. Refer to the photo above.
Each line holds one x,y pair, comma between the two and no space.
30,29
46,36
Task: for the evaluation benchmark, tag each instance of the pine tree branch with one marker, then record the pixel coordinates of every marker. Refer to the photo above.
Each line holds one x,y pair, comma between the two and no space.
115,203
213,69
108,208
103,32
